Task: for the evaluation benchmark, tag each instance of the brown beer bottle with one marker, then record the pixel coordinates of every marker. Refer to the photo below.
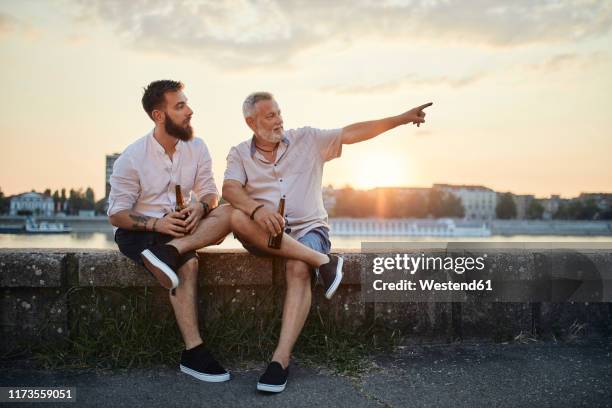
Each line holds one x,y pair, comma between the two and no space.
180,203
274,242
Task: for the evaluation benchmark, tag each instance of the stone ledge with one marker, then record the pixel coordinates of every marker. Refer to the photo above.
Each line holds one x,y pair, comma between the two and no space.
38,290
33,269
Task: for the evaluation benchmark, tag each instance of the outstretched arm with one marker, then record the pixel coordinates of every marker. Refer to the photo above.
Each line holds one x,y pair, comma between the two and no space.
358,132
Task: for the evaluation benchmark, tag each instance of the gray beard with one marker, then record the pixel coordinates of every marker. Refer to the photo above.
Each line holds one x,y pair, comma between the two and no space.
271,137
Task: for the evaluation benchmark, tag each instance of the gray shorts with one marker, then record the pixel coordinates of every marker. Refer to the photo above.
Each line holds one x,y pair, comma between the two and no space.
317,239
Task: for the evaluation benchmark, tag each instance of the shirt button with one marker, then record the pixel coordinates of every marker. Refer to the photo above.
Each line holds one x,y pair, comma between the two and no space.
281,180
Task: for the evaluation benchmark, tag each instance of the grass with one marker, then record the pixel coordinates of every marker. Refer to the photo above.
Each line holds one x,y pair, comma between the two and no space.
120,329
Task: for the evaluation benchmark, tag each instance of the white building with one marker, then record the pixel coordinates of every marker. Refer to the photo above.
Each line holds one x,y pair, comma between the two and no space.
478,202
33,203
551,206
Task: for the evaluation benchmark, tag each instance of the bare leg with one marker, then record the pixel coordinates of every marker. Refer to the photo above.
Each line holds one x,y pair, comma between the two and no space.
290,248
184,303
210,231
298,298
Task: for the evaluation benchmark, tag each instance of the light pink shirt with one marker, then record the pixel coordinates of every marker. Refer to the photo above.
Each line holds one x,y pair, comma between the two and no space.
144,177
296,175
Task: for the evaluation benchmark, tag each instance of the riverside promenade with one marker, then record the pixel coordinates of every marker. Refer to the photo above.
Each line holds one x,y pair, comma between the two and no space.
541,374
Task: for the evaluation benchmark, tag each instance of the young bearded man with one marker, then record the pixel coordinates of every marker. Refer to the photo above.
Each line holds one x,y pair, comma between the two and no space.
148,230
275,164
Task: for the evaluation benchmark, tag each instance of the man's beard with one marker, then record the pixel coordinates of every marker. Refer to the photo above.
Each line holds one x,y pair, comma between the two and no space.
272,136
180,132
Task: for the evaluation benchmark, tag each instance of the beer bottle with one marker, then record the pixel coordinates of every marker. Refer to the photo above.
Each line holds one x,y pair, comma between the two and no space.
180,203
274,242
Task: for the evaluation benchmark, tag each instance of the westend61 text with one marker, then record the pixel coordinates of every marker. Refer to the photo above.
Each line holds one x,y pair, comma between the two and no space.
414,263
428,284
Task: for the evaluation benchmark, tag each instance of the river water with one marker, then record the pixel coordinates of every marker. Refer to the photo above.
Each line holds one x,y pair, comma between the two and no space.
104,240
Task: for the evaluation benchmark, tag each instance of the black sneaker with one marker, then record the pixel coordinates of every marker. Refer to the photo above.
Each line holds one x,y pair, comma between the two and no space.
274,379
161,261
331,274
199,363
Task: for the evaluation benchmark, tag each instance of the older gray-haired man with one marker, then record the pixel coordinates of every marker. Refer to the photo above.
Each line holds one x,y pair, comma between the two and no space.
275,164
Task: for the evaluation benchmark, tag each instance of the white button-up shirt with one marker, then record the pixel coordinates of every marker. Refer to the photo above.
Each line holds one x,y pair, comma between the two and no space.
144,177
296,175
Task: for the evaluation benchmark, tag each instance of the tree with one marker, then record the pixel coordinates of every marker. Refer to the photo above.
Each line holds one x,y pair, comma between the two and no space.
590,210
100,206
444,204
506,207
414,205
63,197
354,203
452,206
535,210
562,213
89,199
56,200
47,192
5,203
434,202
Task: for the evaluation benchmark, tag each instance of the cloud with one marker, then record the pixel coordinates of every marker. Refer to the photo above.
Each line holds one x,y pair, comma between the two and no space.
562,61
242,33
411,81
8,24
549,65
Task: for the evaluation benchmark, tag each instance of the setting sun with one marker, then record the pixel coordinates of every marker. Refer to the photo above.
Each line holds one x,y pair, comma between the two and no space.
381,170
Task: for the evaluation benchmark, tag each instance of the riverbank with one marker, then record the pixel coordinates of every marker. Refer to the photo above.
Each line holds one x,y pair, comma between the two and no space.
498,227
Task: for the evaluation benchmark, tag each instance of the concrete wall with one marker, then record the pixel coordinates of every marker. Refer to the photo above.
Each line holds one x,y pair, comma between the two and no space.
43,289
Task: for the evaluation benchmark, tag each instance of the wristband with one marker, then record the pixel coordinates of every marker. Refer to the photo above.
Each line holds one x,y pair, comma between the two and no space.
255,210
154,222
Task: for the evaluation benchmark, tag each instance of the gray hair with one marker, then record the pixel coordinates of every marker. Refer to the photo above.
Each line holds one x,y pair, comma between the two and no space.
248,106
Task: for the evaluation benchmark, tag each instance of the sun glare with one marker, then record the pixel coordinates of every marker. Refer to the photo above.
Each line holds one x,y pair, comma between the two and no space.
380,171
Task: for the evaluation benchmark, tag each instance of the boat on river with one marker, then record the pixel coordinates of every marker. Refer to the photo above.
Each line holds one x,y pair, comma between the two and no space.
44,227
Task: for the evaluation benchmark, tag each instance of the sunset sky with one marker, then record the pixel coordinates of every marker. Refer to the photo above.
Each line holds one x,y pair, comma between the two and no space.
522,90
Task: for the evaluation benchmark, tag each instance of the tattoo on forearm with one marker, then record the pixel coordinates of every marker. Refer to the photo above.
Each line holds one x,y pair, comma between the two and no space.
140,221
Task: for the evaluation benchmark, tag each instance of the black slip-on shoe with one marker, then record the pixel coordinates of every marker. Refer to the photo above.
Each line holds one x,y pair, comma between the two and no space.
274,379
331,274
199,363
162,261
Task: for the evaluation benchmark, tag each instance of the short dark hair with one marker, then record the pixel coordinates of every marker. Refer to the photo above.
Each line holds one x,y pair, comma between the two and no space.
154,94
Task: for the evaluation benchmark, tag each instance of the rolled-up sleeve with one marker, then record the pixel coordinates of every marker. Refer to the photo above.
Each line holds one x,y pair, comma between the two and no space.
327,141
125,186
205,181
235,168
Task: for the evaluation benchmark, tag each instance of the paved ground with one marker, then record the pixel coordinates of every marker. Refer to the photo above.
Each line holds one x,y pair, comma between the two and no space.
463,375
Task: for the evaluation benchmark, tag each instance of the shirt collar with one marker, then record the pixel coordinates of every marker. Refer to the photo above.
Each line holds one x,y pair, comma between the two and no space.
254,149
158,147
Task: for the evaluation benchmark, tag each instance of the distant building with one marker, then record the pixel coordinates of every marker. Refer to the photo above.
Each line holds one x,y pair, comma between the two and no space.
603,201
522,204
32,203
110,161
551,206
478,202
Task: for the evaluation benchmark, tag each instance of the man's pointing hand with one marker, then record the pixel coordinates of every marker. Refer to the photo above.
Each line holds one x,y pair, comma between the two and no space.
415,115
